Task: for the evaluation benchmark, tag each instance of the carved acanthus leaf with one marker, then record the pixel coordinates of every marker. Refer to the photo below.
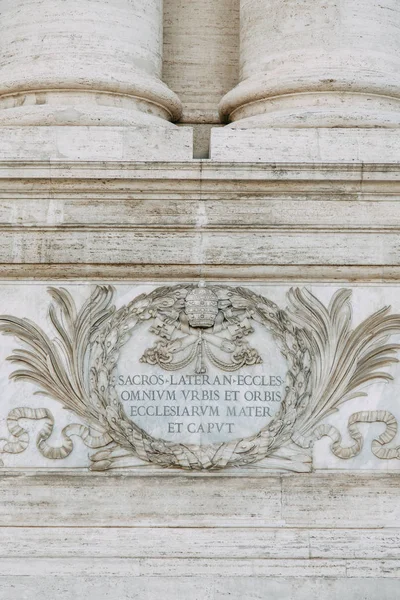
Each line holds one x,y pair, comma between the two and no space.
327,363
342,359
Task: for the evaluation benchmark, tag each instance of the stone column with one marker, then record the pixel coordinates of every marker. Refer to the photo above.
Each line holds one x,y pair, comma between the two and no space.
317,63
83,62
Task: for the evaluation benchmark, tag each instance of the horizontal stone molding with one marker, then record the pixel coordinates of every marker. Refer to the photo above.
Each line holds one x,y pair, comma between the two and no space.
169,587
223,568
196,542
135,216
184,272
306,501
222,247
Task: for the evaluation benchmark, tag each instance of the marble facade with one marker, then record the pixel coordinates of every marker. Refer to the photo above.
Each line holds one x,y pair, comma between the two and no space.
199,299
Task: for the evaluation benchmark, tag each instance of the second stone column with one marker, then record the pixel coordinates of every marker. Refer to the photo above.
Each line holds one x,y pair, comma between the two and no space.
317,63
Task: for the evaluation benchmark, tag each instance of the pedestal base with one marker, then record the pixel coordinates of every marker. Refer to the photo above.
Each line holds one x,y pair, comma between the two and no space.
139,143
345,145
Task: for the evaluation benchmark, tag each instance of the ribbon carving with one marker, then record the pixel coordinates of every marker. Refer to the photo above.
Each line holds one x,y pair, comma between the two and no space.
328,363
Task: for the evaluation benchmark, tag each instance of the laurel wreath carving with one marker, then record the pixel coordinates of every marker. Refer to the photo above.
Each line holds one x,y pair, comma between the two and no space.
327,360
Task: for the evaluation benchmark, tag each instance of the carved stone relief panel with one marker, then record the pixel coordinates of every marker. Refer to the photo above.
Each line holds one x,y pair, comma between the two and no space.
199,377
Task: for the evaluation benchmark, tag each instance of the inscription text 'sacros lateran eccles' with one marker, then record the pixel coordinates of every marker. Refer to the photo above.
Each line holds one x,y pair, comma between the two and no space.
202,349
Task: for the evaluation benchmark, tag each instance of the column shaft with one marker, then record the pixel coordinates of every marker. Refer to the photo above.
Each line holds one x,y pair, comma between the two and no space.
317,63
83,62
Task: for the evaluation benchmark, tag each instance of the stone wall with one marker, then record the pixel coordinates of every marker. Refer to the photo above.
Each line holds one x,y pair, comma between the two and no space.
208,189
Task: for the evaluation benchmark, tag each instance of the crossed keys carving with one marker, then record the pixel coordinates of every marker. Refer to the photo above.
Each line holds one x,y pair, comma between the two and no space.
186,338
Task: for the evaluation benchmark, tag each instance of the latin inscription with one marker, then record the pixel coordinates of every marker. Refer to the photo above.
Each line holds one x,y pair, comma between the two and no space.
212,405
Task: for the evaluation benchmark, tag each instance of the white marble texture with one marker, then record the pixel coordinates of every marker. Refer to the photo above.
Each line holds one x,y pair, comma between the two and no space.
31,300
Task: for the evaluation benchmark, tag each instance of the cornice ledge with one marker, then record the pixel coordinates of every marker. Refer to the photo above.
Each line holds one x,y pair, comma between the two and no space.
196,170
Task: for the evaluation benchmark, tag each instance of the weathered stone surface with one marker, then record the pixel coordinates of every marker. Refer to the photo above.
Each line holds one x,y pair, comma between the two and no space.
83,63
96,144
168,220
201,54
97,187
305,145
317,65
70,546
199,588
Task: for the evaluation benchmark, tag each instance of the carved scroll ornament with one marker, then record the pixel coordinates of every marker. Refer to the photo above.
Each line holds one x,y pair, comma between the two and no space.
327,363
